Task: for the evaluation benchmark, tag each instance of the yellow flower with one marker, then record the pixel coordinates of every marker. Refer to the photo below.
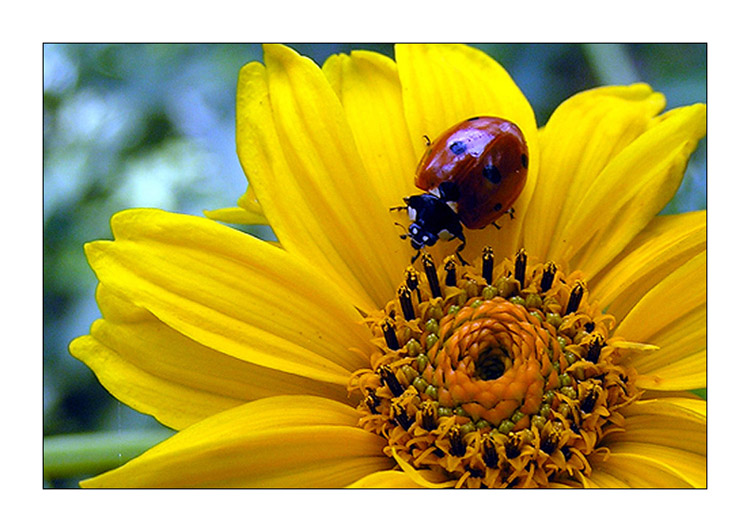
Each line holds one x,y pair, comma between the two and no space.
561,356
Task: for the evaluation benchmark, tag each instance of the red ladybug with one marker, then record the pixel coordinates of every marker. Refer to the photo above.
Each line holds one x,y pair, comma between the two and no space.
472,173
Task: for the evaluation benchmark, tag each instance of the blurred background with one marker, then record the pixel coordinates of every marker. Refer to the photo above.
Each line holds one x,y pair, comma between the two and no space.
152,125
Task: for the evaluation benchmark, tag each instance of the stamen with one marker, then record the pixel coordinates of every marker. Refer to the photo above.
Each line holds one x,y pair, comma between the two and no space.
388,378
595,349
372,401
458,447
404,297
431,272
429,416
513,446
488,259
412,281
450,272
402,418
548,276
575,298
390,334
549,442
520,267
588,403
489,453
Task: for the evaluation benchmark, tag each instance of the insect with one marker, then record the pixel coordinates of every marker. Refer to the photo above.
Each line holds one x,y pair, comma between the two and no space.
472,174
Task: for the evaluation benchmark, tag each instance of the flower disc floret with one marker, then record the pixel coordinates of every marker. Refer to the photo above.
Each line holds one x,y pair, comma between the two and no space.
494,376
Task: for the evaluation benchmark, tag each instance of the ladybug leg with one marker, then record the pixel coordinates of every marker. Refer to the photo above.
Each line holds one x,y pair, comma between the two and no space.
416,256
460,248
510,212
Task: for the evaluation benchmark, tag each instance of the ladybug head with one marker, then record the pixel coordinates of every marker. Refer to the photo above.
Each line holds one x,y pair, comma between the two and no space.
420,236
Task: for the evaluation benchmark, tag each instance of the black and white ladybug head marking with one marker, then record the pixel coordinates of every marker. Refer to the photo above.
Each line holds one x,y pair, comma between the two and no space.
432,219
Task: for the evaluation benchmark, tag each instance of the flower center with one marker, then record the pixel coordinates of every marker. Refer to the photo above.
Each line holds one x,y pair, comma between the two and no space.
494,377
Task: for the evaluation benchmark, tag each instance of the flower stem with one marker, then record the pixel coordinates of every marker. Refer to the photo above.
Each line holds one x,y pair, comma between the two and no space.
611,63
82,454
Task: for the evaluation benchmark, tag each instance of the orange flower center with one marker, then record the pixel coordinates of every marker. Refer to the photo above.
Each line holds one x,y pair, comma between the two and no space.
496,379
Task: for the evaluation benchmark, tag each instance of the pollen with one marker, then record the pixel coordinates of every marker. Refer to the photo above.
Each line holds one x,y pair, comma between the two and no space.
496,374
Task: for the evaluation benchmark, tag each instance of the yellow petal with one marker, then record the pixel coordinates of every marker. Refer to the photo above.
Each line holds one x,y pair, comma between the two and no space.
683,338
173,404
289,442
426,478
678,295
629,191
687,373
684,406
665,244
157,371
447,83
328,173
385,479
264,163
665,423
370,92
232,293
237,215
599,479
581,137
638,471
690,467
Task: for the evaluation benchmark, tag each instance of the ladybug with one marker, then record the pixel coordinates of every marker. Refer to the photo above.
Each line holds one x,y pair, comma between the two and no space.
472,174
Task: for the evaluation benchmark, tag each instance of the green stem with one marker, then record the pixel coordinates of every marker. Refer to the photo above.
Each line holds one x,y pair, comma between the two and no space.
83,454
611,64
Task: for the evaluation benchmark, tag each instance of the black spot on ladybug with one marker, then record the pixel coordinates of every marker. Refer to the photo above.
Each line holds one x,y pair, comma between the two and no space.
457,147
449,191
498,207
491,173
524,160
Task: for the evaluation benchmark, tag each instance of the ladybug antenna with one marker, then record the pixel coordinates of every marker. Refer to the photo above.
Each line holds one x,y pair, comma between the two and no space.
406,234
427,140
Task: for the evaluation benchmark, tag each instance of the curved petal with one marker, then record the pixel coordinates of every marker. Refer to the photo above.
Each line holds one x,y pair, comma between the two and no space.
683,406
385,479
370,92
637,471
681,364
680,294
237,215
283,441
629,191
232,293
446,83
599,479
665,244
689,467
581,137
171,403
156,370
300,156
426,478
665,423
